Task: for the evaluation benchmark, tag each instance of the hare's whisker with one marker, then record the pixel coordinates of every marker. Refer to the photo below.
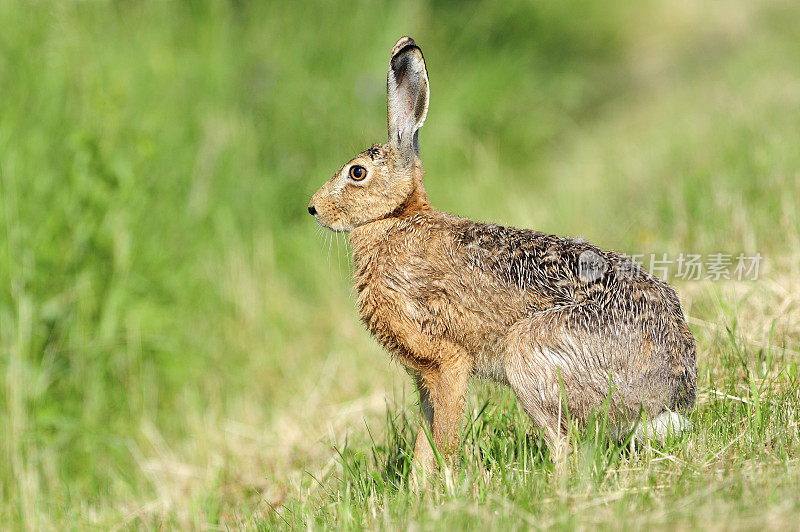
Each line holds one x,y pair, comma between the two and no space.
330,244
347,252
338,255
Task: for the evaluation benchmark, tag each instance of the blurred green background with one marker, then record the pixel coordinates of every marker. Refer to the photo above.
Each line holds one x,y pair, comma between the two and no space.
178,339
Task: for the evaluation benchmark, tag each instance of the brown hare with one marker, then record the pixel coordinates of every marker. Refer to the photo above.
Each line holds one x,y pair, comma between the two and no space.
574,330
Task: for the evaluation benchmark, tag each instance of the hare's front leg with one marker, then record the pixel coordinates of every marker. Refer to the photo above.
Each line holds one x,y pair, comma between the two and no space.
423,452
442,391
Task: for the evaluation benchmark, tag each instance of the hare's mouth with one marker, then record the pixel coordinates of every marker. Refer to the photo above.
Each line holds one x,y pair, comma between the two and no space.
329,219
335,227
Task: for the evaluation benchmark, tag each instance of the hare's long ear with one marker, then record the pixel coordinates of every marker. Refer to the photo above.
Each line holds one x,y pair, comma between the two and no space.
407,97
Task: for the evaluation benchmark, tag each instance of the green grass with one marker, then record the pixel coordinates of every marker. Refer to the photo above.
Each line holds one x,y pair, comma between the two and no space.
178,343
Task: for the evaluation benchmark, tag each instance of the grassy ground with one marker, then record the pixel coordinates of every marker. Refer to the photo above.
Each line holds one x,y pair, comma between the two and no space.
178,345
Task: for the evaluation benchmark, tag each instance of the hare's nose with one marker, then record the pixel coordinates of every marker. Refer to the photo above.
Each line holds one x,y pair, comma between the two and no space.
311,210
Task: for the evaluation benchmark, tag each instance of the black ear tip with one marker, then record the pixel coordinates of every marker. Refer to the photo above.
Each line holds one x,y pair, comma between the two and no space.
402,43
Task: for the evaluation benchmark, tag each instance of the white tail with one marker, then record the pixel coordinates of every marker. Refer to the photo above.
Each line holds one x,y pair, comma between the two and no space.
659,428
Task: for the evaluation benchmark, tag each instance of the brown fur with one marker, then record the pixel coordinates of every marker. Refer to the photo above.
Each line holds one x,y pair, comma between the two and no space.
451,298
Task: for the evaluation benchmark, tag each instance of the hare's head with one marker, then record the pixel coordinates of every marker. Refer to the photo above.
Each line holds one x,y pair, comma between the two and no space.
385,179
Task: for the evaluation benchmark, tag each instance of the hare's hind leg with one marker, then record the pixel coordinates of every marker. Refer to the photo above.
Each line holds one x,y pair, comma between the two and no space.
551,365
532,370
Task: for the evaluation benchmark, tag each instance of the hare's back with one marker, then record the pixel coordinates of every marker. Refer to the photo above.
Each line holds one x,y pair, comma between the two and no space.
550,271
565,270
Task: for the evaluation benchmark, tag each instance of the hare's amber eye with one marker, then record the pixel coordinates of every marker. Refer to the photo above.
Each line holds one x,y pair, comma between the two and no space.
357,172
